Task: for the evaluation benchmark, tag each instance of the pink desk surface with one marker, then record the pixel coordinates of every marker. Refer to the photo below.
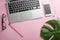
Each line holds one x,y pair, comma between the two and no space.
29,29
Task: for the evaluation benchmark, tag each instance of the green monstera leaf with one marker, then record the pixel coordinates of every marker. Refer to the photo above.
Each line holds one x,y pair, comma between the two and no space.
51,32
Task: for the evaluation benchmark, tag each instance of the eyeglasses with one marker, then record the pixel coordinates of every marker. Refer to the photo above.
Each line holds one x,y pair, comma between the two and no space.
3,22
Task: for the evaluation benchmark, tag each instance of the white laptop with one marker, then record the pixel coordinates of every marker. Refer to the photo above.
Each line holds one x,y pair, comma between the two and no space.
21,10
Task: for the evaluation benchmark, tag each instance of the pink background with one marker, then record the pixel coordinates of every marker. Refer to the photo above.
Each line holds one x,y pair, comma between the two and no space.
29,29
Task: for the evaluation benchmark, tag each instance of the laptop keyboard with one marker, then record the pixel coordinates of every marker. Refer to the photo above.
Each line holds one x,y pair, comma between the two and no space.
19,6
